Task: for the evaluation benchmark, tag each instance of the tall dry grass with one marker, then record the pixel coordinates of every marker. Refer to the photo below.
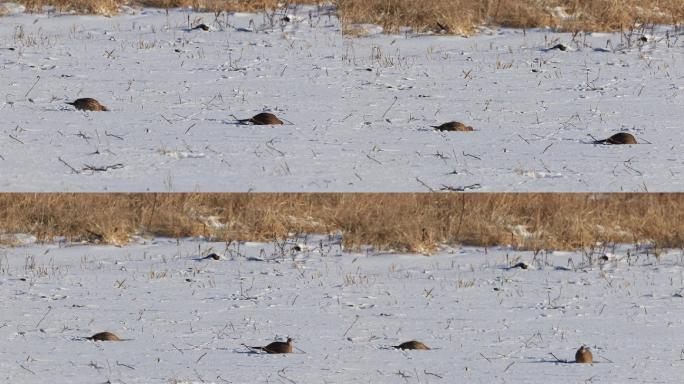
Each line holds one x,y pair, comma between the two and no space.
464,16
403,222
457,16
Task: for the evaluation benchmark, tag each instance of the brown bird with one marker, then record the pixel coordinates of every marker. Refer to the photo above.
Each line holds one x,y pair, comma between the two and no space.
88,104
277,347
104,336
453,126
413,344
203,27
263,118
583,355
618,138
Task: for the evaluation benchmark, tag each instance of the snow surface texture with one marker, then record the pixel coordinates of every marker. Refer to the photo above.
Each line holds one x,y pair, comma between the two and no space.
360,108
185,318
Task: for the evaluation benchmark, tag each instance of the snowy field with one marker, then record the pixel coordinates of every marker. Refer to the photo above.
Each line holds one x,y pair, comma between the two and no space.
184,319
360,108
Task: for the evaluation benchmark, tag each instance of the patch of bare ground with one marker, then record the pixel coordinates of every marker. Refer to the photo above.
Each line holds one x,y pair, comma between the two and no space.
400,222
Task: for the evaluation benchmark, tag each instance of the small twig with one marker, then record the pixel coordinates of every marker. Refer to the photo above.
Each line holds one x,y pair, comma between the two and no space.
350,327
557,359
34,84
104,168
200,358
460,189
432,374
390,107
376,160
425,185
271,147
189,128
12,137
125,365
473,156
113,135
606,359
74,170
281,373
27,369
44,316
167,120
206,105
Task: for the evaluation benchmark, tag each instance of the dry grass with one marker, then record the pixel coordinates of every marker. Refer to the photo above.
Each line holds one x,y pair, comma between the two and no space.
110,7
406,222
458,16
464,16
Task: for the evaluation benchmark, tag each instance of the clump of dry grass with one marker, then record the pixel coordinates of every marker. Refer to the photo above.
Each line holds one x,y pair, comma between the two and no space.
403,222
464,16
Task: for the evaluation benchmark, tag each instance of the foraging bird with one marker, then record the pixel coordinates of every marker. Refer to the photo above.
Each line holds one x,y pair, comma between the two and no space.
583,355
212,256
453,126
277,347
413,344
263,118
104,336
618,138
521,265
88,104
203,27
560,47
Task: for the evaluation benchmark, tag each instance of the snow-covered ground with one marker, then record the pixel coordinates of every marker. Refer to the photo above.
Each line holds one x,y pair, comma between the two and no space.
185,318
360,108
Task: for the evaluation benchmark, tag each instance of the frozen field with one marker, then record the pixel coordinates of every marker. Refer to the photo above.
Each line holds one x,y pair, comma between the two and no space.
185,318
360,108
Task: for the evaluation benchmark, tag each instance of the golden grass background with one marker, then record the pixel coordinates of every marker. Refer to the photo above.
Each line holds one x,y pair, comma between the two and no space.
458,16
401,222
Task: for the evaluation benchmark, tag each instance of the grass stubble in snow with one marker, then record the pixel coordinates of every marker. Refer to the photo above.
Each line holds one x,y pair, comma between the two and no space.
185,318
361,108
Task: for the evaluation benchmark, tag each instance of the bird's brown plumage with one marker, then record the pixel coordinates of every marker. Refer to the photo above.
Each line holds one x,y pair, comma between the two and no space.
453,126
583,355
413,344
264,118
619,138
88,104
104,336
277,347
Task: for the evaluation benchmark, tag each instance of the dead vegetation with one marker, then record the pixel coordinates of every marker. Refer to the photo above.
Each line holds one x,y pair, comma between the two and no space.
449,16
402,222
110,7
465,16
